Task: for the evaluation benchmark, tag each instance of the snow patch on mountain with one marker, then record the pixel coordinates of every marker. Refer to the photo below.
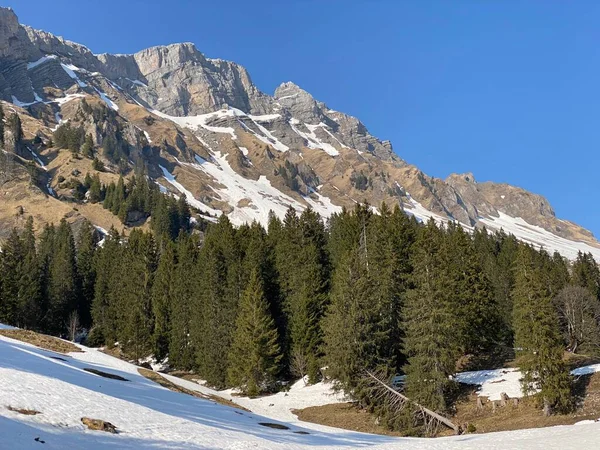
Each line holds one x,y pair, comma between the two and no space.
538,236
42,60
251,199
71,69
193,201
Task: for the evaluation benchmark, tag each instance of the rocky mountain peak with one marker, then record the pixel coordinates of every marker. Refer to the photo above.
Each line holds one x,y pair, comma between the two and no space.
467,177
299,102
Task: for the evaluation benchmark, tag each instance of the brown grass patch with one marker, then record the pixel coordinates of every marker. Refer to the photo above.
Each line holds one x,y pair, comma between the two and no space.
346,416
41,340
159,379
26,412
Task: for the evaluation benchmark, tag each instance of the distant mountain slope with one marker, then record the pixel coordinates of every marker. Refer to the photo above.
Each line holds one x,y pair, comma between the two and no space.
203,129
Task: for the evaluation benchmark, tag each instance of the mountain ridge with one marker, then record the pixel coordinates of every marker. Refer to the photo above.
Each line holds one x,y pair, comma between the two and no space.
210,108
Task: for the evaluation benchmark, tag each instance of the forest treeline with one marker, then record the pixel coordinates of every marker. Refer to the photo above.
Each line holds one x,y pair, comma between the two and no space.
249,307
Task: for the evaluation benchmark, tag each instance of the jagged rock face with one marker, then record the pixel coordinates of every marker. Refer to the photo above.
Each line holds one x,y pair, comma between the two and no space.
174,105
181,81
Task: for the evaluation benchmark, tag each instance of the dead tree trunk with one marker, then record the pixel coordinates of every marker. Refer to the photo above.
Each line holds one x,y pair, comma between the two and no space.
404,399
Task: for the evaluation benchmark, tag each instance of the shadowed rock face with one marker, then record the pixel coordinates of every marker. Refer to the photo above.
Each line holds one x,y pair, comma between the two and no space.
330,150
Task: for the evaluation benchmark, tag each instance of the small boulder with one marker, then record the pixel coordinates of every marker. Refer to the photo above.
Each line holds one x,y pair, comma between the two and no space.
99,425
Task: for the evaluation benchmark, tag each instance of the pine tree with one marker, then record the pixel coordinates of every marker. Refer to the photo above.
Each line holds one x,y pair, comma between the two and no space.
184,309
107,269
133,295
429,323
30,289
87,149
221,288
537,336
95,189
10,259
350,326
586,273
86,247
475,310
63,283
255,355
162,293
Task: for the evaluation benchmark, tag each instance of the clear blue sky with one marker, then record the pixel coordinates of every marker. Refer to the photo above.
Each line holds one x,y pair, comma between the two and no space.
509,90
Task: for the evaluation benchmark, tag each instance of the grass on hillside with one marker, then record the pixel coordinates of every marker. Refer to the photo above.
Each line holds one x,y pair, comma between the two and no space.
159,379
41,340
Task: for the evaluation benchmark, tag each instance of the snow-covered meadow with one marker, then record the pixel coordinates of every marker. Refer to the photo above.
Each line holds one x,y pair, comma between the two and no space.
150,416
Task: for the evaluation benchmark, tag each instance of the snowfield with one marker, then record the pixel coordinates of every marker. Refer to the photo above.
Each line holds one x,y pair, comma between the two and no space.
150,416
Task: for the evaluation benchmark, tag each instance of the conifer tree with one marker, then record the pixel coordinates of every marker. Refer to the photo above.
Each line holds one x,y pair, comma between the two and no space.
30,289
87,149
184,312
476,318
162,293
537,336
221,288
95,189
133,294
63,283
350,326
10,259
106,268
586,273
85,268
255,356
429,323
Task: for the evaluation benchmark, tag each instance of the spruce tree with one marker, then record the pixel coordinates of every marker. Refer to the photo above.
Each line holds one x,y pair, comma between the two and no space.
221,288
430,323
162,293
537,336
63,283
30,289
86,247
184,312
10,259
254,358
107,269
132,295
351,326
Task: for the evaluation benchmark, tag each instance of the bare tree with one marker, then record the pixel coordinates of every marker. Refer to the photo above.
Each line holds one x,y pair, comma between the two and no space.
73,325
299,364
580,318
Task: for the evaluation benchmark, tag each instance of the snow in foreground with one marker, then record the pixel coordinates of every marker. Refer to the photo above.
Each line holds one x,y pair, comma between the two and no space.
149,416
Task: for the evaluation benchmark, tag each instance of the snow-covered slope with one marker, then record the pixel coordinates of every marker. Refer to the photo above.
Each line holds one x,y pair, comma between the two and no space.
149,416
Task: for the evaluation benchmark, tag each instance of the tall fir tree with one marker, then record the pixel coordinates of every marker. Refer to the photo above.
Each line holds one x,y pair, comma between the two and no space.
162,293
184,312
63,283
86,247
430,323
537,337
254,357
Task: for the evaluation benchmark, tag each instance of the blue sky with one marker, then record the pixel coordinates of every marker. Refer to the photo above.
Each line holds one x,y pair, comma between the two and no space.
508,90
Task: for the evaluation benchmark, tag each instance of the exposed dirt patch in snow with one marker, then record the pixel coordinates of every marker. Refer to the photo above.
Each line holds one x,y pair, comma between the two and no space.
41,340
24,411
